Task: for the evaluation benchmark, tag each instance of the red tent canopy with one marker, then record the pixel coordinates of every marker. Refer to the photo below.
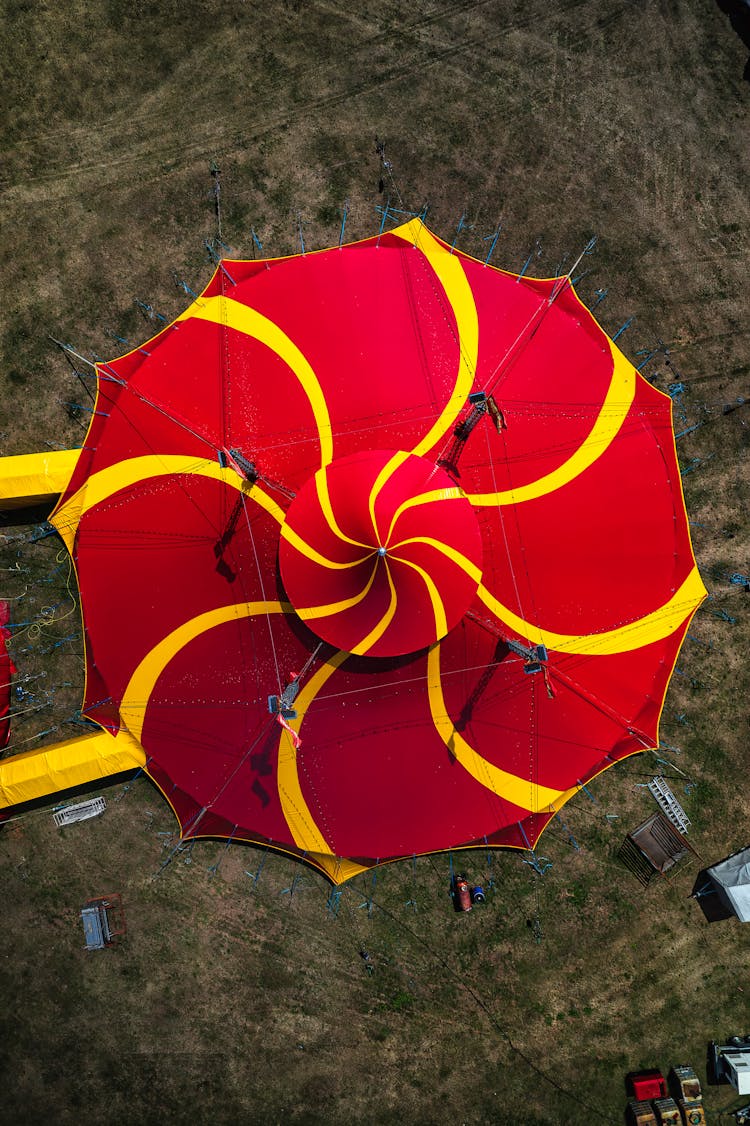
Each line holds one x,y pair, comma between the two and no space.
381,551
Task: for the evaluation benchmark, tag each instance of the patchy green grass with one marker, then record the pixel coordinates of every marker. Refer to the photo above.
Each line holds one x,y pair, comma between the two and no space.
232,1000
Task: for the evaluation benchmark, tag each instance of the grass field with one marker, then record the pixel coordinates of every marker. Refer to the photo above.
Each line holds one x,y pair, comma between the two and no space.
235,999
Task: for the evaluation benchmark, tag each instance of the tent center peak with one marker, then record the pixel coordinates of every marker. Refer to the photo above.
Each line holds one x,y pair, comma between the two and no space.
380,553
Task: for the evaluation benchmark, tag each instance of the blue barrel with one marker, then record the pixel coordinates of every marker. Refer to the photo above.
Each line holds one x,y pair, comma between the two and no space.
477,894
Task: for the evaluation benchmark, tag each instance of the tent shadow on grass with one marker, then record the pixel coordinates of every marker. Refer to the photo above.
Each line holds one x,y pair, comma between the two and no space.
722,890
707,898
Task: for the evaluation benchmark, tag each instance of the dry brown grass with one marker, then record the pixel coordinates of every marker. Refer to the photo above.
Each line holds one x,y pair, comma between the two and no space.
231,1002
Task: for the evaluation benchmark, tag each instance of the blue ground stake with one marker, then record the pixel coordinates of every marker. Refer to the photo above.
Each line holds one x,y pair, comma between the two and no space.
368,902
525,266
343,222
540,864
255,876
81,407
494,236
214,868
535,251
334,902
151,312
298,881
649,356
48,578
256,240
71,637
622,329
697,640
185,288
571,839
413,902
579,277
422,216
128,786
689,430
459,228
399,211
41,533
490,880
599,294
39,734
382,223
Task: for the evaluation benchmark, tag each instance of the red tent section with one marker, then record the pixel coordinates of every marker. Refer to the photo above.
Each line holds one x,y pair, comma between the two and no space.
424,506
7,669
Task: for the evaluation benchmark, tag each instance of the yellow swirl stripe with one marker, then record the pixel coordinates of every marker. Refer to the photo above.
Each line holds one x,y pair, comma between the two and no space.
302,825
424,498
321,487
124,474
450,274
655,626
141,684
309,552
438,609
385,473
305,832
614,411
509,787
233,314
330,608
377,631
445,549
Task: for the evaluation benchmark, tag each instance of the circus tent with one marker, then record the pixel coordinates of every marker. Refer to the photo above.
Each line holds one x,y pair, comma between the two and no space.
381,551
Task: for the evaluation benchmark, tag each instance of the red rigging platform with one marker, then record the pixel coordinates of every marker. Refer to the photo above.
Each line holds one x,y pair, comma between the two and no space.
424,505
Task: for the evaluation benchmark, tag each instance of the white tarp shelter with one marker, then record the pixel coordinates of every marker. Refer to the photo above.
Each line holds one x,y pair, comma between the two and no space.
731,879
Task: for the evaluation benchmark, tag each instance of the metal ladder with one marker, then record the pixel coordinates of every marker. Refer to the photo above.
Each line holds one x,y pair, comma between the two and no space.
80,812
664,798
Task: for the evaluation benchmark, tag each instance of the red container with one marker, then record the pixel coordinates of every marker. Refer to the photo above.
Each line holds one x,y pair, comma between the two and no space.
462,894
648,1085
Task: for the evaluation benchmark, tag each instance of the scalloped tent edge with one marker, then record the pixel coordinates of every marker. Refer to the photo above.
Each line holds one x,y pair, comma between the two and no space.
36,775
